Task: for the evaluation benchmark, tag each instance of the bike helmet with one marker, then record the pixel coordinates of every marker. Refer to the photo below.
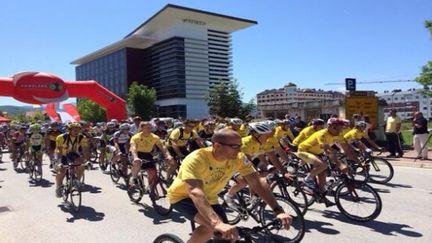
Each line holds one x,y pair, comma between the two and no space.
35,127
360,124
260,127
318,122
124,126
110,125
73,125
235,121
279,121
271,123
336,122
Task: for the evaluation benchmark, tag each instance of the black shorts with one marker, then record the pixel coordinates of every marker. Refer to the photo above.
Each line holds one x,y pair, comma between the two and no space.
187,208
52,145
36,148
150,163
183,150
122,147
72,157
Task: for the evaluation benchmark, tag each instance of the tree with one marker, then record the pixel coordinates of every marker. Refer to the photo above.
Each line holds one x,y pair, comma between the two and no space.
90,111
425,77
141,100
225,100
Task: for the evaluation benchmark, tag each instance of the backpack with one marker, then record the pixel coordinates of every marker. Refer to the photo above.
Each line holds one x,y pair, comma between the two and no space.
66,139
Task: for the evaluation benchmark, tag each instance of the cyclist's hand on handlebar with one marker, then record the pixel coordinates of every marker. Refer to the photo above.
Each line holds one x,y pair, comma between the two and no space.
285,220
228,232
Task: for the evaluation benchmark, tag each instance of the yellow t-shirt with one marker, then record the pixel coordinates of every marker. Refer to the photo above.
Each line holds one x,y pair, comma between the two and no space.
280,133
303,135
145,143
271,143
72,144
392,123
215,174
354,134
181,142
314,144
251,146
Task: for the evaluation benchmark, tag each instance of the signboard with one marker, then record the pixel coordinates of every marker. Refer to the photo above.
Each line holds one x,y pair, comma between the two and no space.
350,84
363,105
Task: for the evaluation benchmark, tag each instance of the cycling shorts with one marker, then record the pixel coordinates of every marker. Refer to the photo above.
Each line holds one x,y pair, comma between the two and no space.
187,208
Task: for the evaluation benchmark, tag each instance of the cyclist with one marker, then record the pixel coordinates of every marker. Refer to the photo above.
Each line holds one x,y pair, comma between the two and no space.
121,141
236,124
355,135
35,145
50,141
18,140
316,125
252,147
179,138
105,139
317,144
71,146
142,145
136,124
207,132
203,174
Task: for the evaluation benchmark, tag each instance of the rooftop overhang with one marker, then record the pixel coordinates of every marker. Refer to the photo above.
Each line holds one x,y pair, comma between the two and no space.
172,14
140,42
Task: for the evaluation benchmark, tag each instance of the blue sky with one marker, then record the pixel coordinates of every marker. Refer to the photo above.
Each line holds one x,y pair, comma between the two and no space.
306,42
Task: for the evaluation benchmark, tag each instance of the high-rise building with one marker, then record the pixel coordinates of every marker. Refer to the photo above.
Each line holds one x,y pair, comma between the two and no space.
407,103
181,52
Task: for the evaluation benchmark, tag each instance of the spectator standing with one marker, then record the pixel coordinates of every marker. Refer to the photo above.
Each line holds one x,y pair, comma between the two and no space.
392,129
420,133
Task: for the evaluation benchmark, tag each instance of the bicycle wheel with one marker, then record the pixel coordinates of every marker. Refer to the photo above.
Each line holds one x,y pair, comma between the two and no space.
21,162
168,238
297,228
75,198
114,173
293,193
94,155
103,164
159,199
380,170
358,201
136,192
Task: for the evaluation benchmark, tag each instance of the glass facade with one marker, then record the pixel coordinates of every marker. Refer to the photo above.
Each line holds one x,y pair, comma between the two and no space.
109,71
173,111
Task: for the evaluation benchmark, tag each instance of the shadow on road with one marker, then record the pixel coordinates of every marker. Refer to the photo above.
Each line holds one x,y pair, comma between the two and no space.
86,213
377,226
3,169
394,185
159,219
323,227
90,188
41,183
382,190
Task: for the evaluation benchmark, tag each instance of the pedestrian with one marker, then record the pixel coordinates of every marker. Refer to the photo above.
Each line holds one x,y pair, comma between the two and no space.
392,131
420,137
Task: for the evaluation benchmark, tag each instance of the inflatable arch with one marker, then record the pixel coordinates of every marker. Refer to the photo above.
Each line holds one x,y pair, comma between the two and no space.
45,88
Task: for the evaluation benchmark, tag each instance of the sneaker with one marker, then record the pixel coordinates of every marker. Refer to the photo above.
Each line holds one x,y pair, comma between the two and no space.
58,192
328,203
229,200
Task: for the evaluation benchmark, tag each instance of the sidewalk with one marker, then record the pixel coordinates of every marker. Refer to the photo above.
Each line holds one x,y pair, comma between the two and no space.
409,160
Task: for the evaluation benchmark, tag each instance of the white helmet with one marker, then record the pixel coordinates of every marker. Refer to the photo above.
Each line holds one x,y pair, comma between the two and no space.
271,123
260,127
236,121
124,126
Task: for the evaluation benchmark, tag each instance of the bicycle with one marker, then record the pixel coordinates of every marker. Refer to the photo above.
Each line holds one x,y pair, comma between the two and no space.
245,233
119,170
157,193
18,160
349,195
379,169
250,205
71,188
34,167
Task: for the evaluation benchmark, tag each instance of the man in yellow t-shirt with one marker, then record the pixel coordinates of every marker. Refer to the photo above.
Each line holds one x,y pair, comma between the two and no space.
180,137
317,144
203,174
317,124
355,135
141,146
392,132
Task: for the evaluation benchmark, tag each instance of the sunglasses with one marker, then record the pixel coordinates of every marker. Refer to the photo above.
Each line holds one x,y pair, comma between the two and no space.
233,146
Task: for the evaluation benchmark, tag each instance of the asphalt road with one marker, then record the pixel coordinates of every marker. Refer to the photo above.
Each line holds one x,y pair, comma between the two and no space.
31,213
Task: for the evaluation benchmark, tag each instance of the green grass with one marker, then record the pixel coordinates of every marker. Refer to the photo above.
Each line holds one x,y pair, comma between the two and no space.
406,130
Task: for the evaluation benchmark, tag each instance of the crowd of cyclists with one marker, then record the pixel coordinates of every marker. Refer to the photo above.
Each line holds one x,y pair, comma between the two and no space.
272,147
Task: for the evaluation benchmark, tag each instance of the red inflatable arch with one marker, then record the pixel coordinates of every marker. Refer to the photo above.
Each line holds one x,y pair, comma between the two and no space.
45,88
